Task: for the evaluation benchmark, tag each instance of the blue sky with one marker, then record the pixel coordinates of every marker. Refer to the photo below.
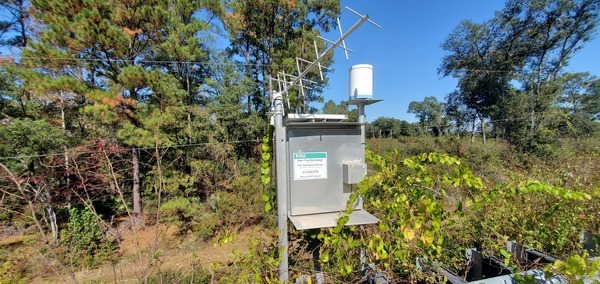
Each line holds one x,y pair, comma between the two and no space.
406,52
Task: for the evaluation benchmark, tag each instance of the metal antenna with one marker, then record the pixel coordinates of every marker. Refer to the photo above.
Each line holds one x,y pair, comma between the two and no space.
341,35
338,43
319,63
302,82
333,43
278,83
358,14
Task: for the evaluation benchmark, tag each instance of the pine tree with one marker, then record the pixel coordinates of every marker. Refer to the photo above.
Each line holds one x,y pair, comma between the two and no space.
269,35
117,45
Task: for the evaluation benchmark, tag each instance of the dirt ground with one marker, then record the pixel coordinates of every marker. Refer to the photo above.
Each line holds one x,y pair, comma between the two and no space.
150,250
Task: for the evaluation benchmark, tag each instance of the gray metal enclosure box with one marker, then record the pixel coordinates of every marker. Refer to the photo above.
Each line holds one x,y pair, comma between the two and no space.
325,161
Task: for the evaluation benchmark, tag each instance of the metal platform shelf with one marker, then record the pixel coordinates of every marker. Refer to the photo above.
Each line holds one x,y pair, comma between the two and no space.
327,220
309,117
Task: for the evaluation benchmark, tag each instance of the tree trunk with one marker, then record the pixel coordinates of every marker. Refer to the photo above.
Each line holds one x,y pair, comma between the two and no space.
51,214
23,22
473,131
67,177
483,130
137,199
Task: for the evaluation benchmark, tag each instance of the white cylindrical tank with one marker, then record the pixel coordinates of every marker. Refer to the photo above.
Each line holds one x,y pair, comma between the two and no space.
361,81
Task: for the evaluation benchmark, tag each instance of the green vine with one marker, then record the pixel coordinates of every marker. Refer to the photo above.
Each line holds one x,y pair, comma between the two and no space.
266,147
431,207
409,198
576,268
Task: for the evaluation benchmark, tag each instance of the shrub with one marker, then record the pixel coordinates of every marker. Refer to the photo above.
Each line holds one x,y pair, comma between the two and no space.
258,265
189,214
172,276
180,210
432,207
85,239
13,267
409,196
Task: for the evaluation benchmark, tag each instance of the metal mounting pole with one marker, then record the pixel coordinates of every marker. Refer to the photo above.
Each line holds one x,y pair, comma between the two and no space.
282,202
361,120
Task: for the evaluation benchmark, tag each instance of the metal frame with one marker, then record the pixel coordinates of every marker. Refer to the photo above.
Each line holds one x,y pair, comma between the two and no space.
278,116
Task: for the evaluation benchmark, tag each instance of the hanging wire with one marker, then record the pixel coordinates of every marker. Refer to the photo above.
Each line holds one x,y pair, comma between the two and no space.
256,140
71,152
202,62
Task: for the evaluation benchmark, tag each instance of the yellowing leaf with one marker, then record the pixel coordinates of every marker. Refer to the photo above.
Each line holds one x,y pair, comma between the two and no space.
409,234
427,239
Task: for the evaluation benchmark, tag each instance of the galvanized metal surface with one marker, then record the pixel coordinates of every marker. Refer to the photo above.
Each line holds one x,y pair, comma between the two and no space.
324,191
328,220
282,198
304,117
353,173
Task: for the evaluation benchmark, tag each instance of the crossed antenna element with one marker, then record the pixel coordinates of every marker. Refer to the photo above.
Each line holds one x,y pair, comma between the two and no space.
287,81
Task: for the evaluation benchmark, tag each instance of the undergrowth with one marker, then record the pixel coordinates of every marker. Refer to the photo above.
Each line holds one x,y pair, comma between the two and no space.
435,197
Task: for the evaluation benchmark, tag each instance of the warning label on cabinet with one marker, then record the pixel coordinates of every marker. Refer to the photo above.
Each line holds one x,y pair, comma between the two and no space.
312,165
